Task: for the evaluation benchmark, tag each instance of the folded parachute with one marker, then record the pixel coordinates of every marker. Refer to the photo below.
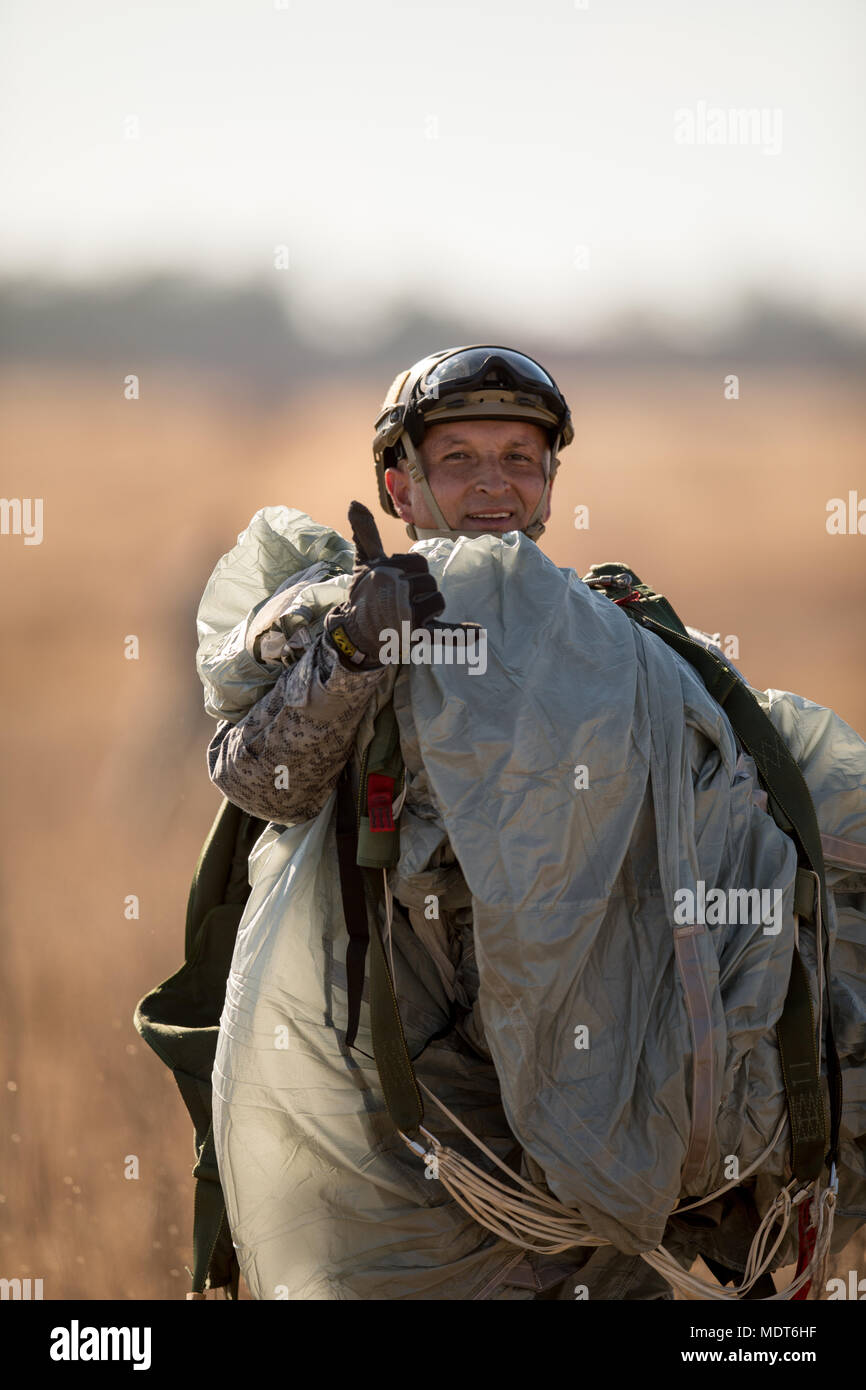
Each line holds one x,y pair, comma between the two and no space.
589,785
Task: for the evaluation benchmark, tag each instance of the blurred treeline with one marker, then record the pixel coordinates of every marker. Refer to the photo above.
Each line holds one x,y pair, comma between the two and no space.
250,331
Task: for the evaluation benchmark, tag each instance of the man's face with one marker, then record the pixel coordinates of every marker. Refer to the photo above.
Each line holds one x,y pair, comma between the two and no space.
486,475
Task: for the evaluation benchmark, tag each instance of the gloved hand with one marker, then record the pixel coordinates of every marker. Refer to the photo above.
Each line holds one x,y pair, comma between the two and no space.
386,591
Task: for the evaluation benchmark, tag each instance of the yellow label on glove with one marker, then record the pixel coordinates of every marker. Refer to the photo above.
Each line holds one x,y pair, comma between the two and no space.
340,638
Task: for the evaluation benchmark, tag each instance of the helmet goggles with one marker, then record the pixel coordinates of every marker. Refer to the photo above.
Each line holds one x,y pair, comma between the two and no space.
468,376
475,366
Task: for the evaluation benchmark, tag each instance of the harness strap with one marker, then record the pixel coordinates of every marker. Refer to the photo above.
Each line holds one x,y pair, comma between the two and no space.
807,894
396,1072
354,902
361,891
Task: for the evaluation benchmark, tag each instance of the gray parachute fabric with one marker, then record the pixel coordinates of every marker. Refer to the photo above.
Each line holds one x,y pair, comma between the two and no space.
587,783
278,544
832,758
574,889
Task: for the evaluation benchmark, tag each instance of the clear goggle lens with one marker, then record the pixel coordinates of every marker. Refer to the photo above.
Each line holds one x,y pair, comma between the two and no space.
467,367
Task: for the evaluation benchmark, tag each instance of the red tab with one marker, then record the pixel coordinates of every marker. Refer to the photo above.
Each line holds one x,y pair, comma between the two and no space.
380,796
807,1233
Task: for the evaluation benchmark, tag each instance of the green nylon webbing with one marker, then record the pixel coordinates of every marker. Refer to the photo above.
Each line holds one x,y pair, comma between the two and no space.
364,856
394,1065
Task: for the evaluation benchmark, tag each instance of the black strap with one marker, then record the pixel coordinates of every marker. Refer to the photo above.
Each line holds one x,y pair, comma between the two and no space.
394,1065
361,890
795,1031
354,900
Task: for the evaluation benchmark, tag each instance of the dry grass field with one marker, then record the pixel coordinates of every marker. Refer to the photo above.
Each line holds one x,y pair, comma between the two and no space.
719,504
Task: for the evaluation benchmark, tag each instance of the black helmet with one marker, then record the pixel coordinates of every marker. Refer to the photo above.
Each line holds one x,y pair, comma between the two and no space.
478,382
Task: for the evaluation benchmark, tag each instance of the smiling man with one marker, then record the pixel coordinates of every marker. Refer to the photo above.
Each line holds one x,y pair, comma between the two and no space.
466,443
486,476
324,1198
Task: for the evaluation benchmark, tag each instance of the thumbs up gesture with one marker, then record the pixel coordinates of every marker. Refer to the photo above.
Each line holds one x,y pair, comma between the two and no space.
386,591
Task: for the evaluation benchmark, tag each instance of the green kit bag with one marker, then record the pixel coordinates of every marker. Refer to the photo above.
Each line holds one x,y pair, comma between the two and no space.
180,1018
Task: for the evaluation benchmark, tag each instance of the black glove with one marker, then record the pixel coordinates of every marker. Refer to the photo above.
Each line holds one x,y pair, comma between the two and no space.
387,590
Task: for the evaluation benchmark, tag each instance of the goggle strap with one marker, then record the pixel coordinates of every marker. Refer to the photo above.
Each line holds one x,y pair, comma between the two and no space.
416,472
534,526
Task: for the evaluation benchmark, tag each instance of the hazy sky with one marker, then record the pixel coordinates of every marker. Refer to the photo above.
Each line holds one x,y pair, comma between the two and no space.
526,156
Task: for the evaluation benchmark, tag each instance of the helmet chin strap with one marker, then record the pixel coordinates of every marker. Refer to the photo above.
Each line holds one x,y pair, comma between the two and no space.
533,528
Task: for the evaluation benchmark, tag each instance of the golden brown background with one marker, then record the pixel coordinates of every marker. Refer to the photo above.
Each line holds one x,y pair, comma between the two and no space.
719,504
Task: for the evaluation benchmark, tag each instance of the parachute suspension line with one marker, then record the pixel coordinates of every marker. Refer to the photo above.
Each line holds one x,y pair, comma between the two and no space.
540,1223
760,1258
535,1221
735,1182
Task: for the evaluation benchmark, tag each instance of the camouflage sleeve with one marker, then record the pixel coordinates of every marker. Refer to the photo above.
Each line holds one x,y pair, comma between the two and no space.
306,725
